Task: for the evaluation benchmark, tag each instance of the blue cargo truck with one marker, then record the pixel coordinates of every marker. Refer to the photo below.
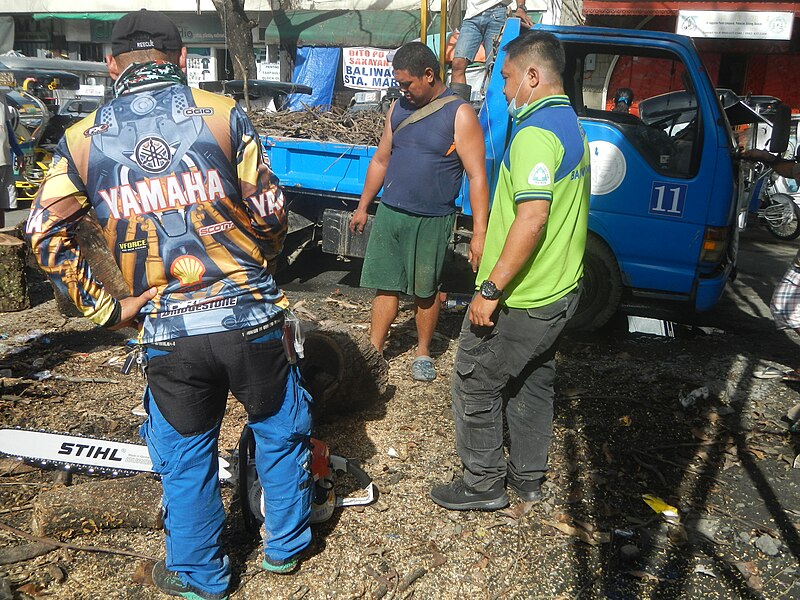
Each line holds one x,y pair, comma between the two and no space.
665,193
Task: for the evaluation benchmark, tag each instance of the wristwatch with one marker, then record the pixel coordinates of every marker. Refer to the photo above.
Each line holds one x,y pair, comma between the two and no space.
522,8
489,291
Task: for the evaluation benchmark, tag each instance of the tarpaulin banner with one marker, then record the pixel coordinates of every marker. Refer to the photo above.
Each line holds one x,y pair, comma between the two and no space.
367,68
316,68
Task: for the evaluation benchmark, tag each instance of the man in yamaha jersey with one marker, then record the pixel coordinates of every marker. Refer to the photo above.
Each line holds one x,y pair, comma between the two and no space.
193,216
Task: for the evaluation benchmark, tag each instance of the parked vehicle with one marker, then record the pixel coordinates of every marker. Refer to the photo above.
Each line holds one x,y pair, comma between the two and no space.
70,111
665,193
776,210
32,116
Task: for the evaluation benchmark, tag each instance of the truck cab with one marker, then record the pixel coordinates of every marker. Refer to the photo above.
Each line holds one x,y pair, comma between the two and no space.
664,195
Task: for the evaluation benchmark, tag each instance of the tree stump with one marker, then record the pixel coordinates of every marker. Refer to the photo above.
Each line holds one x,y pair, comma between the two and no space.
13,283
65,512
342,369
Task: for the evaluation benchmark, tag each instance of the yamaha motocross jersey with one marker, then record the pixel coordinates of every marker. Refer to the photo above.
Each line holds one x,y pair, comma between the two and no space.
187,202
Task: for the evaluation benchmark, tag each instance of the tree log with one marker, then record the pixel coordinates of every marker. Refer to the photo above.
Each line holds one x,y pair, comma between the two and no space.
95,249
65,512
342,369
13,283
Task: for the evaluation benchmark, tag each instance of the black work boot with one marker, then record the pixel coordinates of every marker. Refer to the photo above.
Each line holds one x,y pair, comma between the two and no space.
528,491
171,584
458,496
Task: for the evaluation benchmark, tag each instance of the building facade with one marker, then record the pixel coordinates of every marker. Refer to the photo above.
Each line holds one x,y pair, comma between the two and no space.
749,47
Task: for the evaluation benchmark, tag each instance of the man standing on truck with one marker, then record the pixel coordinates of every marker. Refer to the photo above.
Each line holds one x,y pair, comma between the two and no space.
193,216
483,22
530,275
430,138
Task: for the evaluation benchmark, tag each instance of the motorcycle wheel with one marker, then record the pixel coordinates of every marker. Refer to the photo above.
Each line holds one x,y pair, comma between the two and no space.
782,217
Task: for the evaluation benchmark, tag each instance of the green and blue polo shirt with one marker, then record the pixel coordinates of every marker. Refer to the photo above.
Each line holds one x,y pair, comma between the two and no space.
547,159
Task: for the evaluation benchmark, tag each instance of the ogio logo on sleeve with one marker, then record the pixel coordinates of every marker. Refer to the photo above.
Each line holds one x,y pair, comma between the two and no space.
540,175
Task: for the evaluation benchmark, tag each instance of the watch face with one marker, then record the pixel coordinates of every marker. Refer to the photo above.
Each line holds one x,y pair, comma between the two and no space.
489,290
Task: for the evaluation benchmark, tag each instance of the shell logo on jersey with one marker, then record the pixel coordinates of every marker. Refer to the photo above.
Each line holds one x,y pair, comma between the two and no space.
153,154
163,193
187,269
540,175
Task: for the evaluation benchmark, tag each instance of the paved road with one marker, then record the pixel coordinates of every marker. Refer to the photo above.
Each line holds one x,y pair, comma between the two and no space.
762,260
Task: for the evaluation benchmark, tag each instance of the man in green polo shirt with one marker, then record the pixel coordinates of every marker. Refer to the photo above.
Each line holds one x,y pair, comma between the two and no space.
529,287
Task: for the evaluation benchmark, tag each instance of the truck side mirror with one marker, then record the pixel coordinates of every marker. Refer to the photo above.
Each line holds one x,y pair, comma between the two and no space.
781,121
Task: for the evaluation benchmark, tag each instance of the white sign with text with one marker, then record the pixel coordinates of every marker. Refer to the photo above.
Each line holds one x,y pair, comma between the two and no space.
367,69
200,68
743,25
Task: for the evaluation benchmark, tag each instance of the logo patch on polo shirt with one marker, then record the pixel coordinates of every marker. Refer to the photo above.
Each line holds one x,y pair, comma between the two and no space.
540,175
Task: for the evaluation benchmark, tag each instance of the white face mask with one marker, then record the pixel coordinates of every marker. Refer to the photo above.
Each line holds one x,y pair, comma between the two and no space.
515,110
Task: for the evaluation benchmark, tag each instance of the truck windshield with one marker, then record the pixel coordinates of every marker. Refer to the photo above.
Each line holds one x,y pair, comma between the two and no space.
651,100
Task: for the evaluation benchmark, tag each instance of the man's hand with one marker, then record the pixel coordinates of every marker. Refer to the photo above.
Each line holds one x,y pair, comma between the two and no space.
522,15
758,155
131,306
481,311
358,221
476,250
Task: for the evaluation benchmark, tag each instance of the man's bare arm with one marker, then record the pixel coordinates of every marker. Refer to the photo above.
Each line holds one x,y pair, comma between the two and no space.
376,173
470,147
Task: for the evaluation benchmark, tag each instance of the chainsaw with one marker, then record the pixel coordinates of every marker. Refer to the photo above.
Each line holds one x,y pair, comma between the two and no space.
96,456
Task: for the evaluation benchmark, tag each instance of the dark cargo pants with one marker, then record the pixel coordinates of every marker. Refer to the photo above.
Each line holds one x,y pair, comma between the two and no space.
513,361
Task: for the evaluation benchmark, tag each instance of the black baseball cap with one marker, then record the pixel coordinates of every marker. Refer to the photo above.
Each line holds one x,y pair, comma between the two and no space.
145,30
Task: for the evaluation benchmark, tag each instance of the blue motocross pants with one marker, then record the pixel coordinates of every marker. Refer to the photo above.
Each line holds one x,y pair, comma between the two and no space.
188,383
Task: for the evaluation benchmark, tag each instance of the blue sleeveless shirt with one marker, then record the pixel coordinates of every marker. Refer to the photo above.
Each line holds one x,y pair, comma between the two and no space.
424,172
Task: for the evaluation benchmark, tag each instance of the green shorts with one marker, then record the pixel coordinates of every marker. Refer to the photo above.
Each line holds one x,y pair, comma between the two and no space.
405,253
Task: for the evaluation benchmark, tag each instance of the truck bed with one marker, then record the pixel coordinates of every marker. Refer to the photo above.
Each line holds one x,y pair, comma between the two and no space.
318,166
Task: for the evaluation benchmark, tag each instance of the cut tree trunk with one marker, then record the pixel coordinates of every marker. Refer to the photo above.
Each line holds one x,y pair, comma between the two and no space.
65,512
95,249
13,283
342,369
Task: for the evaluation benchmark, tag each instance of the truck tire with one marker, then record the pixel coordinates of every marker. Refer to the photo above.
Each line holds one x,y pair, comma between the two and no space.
602,287
342,370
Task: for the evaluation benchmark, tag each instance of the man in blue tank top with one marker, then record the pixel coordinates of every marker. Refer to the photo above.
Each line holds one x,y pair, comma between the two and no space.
419,164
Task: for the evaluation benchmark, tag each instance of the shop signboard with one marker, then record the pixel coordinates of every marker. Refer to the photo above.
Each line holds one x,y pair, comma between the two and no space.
200,68
367,68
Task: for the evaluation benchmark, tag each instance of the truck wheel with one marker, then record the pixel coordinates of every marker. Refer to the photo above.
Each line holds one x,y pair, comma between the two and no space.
602,287
342,370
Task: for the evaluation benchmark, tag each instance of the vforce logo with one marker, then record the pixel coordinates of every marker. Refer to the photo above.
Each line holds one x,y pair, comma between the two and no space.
215,228
96,130
198,111
132,245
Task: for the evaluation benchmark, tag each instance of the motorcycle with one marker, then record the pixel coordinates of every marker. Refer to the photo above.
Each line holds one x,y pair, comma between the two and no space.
776,210
29,120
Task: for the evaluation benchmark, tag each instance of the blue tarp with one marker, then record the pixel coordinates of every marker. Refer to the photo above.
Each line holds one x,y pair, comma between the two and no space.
315,67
